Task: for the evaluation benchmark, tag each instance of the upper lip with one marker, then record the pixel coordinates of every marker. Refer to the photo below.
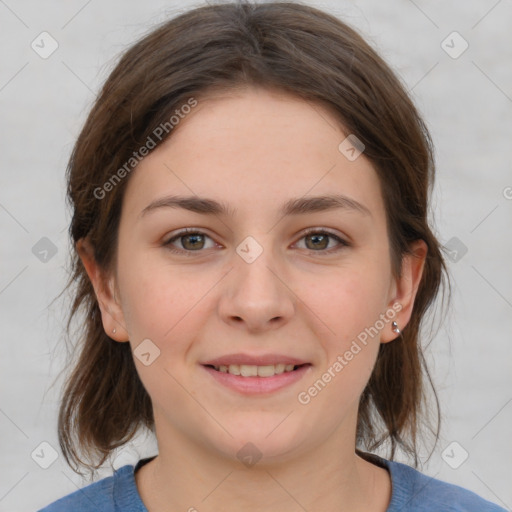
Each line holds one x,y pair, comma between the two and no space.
261,360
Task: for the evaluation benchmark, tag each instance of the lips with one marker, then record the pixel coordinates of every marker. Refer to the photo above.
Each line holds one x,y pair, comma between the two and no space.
260,384
246,370
252,360
256,374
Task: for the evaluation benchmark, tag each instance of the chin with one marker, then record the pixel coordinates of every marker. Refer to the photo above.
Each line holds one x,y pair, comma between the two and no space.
258,441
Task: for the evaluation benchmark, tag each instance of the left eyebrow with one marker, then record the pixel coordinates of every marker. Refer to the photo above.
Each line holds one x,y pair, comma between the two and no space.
298,206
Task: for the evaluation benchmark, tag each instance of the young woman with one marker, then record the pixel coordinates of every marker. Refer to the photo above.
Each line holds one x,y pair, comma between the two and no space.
250,196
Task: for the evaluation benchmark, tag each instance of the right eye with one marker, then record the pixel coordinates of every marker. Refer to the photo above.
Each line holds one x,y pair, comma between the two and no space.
191,240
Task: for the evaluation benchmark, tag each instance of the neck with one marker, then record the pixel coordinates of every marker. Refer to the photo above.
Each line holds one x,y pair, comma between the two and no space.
185,477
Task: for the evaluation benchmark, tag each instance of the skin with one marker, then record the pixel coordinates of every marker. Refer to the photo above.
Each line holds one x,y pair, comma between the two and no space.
254,149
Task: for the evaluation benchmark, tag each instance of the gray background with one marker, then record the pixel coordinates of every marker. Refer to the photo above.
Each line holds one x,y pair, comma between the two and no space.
467,102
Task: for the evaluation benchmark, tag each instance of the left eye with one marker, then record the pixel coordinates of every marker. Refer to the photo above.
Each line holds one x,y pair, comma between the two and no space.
319,240
194,241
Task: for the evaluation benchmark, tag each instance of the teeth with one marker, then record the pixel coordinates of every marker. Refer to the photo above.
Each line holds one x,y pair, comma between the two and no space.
266,371
249,370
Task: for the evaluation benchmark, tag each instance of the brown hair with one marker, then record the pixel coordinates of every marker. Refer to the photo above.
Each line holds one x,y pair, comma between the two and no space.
281,45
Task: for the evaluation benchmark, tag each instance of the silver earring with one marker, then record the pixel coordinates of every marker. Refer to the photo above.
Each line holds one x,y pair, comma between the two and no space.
114,330
395,328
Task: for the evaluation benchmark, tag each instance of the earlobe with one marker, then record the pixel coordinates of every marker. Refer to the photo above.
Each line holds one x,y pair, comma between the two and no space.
406,289
104,289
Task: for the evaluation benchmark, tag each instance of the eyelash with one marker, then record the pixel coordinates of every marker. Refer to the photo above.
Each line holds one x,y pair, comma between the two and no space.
310,231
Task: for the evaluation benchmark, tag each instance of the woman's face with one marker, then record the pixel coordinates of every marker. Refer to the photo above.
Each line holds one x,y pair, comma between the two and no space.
253,288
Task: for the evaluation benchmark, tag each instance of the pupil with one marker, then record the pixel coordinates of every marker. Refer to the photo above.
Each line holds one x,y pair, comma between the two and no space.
194,244
315,238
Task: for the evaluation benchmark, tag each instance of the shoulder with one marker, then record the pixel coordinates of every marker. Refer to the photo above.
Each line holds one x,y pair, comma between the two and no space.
99,496
415,492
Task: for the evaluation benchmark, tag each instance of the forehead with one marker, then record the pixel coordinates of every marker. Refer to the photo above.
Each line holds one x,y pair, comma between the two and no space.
254,149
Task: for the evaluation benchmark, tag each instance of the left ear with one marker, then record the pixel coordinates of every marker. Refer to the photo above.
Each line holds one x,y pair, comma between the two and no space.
406,288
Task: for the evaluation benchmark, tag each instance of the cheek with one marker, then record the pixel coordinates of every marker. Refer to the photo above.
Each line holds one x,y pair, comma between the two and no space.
155,297
161,305
345,301
347,307
167,305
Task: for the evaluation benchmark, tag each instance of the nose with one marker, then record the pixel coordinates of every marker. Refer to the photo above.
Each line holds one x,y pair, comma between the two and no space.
256,296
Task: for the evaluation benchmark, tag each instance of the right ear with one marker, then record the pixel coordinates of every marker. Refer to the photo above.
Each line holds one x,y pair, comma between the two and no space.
104,288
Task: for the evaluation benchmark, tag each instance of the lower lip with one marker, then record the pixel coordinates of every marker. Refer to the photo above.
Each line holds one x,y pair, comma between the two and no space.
258,385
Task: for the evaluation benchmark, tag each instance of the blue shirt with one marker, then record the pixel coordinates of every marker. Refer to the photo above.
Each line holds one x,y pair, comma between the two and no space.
412,491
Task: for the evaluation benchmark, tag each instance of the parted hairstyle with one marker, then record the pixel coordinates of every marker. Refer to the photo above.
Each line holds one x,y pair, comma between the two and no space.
285,46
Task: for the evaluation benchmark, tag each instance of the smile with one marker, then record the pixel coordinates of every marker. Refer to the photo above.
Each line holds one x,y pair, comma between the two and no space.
252,379
249,370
